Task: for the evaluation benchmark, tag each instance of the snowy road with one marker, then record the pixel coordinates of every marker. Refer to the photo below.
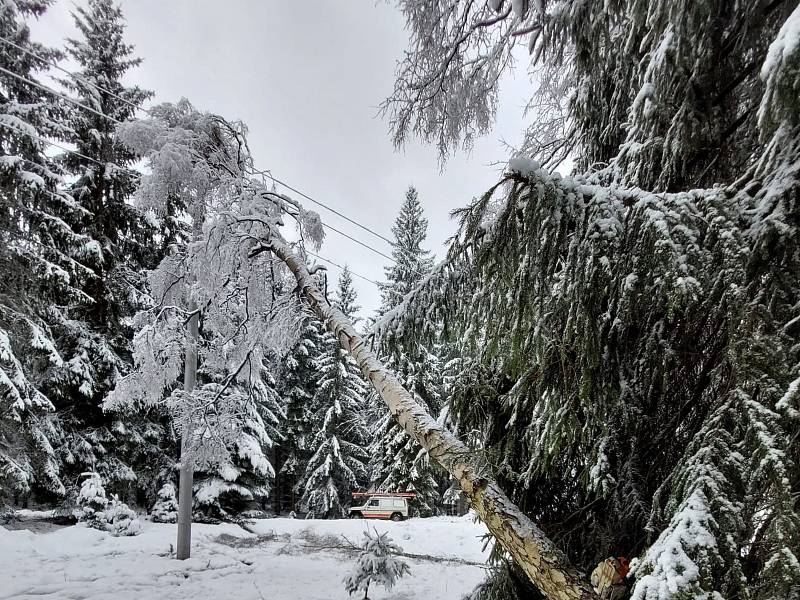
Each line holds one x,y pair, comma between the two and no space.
76,563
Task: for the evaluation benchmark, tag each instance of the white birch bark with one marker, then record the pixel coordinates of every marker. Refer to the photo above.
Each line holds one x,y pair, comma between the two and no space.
544,564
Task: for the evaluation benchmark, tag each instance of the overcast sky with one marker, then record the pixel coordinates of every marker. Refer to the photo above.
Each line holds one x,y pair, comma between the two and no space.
307,77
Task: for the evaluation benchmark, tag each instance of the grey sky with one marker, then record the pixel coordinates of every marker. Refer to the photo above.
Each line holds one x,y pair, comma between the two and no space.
307,77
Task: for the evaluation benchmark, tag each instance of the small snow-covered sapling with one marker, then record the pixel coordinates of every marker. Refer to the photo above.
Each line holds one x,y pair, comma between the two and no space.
92,501
165,510
377,563
100,512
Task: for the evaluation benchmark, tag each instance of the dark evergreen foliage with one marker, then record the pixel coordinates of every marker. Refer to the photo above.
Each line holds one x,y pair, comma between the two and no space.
297,387
630,356
337,466
40,260
120,245
398,463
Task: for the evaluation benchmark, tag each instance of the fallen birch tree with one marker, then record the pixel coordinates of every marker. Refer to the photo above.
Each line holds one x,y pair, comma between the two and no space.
544,564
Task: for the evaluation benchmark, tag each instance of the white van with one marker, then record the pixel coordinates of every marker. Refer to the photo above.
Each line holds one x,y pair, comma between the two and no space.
380,506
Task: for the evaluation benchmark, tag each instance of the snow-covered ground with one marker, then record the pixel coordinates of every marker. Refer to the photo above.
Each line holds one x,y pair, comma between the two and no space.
280,561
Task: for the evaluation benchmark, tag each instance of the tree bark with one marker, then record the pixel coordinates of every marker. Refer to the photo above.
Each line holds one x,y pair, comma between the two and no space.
544,564
186,482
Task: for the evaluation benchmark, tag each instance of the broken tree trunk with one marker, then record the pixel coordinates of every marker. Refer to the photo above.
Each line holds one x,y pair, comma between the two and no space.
544,564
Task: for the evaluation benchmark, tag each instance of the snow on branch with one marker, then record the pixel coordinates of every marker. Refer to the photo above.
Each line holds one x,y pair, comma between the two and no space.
780,73
244,296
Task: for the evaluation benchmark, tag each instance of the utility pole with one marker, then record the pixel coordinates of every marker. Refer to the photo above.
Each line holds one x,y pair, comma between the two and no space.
187,470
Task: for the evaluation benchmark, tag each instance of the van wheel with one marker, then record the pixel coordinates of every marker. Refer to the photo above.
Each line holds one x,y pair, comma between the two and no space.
396,517
356,515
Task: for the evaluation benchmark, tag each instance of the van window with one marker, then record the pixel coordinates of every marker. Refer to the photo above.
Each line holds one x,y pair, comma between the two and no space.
373,503
400,503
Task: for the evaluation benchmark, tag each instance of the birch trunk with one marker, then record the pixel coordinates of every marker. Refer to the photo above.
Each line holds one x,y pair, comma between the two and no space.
544,564
186,480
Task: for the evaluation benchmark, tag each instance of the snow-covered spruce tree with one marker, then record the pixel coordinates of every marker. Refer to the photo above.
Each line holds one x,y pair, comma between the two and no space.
346,298
95,336
632,357
398,463
246,316
121,520
337,466
376,564
92,500
411,262
100,512
593,403
40,258
297,388
165,510
225,487
670,87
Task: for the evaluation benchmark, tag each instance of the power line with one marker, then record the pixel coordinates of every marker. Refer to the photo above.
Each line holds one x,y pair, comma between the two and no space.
68,99
340,267
110,118
333,210
55,65
60,95
349,220
360,243
101,89
65,149
39,138
137,107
